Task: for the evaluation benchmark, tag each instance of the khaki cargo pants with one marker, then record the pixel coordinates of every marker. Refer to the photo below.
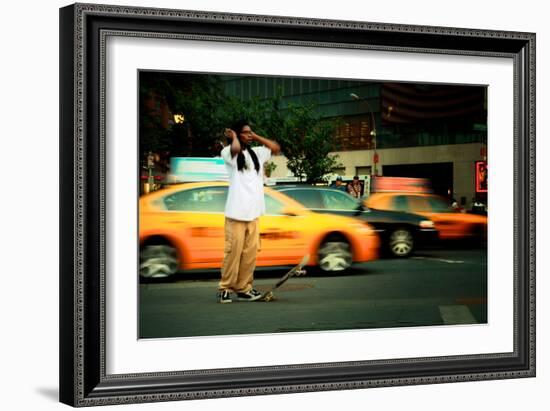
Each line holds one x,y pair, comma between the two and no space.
242,241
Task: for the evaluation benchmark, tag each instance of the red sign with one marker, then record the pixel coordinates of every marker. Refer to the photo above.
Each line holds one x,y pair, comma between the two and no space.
375,158
481,177
400,184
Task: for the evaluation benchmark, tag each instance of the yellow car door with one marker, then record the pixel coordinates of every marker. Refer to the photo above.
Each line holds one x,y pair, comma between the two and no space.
282,236
202,211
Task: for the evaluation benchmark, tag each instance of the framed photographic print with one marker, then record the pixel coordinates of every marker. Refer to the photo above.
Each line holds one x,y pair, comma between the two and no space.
394,162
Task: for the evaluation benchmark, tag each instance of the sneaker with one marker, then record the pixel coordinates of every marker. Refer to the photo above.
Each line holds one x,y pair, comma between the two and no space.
251,295
224,297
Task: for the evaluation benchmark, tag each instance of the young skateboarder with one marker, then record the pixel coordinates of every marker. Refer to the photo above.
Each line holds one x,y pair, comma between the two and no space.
245,203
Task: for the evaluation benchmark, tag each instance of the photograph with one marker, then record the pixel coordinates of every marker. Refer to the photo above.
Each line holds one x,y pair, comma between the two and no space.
371,193
256,205
275,205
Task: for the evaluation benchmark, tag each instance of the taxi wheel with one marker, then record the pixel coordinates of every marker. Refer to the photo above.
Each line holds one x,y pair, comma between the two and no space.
401,243
158,261
335,254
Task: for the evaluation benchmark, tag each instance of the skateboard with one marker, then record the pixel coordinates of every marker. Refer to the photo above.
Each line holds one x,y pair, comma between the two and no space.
294,271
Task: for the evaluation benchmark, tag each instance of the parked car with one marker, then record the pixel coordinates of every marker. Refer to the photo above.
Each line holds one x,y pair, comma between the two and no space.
449,223
400,233
182,228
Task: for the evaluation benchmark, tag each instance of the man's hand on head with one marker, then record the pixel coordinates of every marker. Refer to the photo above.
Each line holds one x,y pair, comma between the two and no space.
228,133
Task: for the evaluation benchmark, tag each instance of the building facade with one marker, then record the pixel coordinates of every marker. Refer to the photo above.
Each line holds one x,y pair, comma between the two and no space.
430,131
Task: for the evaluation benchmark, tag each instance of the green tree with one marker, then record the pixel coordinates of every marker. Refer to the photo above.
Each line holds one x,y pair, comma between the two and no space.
201,101
207,112
153,135
306,139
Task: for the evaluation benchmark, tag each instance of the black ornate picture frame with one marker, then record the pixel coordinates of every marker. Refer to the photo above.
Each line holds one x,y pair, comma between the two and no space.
83,377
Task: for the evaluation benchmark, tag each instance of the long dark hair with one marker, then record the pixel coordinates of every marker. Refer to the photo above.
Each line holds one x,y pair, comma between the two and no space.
241,163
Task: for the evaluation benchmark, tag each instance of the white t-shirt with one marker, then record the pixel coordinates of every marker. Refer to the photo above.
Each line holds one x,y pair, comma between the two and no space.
245,199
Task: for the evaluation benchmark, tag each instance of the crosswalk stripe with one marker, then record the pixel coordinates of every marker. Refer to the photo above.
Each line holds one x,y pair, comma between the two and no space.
442,260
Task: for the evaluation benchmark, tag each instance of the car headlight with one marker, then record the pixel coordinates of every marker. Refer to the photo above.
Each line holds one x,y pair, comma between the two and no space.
427,224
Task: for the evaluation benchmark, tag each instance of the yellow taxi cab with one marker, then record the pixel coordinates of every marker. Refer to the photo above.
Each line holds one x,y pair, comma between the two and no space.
449,223
182,228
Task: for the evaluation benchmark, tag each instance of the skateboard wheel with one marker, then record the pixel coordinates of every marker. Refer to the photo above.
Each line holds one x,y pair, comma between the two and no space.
268,297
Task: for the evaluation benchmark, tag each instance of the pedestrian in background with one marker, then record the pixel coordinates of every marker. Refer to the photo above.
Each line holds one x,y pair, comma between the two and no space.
245,204
339,184
355,188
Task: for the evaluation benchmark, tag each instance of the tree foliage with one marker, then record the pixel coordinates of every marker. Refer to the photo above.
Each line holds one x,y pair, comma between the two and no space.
305,138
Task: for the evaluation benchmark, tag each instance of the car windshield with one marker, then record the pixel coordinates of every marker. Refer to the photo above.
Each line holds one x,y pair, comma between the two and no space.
319,199
337,200
421,204
273,206
308,198
439,205
207,199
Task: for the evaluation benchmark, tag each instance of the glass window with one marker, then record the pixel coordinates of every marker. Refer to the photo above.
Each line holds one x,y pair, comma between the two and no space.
400,203
308,198
273,206
420,204
335,200
209,200
440,205
364,170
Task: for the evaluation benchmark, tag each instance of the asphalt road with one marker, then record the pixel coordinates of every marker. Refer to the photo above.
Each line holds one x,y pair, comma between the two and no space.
435,287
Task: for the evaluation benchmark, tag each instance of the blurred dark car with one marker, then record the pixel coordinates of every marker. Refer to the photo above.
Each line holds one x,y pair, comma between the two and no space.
450,224
400,233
